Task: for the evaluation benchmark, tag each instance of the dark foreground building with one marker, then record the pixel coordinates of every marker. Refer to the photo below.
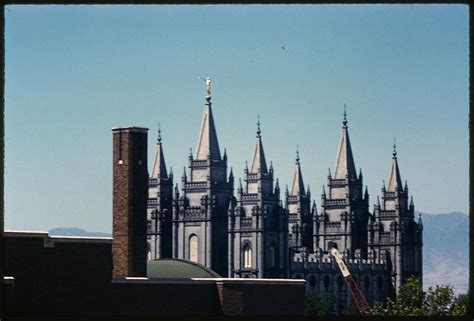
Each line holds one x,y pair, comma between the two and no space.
73,276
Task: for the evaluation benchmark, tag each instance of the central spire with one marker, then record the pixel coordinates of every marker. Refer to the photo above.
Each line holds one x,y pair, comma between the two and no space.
159,166
207,143
345,161
297,186
259,163
395,180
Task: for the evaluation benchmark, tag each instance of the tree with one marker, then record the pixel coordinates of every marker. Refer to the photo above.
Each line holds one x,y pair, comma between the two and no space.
317,305
412,301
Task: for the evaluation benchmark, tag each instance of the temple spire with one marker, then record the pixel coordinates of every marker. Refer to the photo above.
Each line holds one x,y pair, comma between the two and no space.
297,186
395,181
345,161
259,164
208,144
159,165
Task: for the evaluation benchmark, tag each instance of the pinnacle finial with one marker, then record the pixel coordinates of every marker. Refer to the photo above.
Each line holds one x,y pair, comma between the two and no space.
208,83
394,149
159,134
344,122
297,153
258,126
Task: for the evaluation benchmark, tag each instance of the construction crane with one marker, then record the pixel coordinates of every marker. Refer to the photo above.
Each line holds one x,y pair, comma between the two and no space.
359,299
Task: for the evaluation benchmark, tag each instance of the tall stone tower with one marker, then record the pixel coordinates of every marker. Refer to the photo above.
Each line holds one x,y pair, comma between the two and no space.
159,210
258,226
200,213
345,209
393,233
130,175
298,206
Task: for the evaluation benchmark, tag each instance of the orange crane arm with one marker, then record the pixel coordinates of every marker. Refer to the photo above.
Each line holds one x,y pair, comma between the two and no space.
357,295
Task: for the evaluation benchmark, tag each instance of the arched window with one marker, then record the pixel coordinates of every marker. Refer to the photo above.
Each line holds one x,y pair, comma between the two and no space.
327,282
380,283
193,248
340,282
271,256
312,281
247,256
366,283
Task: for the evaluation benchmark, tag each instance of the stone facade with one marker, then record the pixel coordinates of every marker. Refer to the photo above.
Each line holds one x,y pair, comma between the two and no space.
160,207
130,193
393,233
258,228
300,213
200,211
253,234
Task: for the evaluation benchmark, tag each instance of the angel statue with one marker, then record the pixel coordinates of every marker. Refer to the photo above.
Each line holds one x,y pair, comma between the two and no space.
208,82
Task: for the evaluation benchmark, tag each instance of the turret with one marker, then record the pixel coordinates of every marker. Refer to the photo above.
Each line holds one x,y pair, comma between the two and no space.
184,177
259,165
345,167
231,177
159,207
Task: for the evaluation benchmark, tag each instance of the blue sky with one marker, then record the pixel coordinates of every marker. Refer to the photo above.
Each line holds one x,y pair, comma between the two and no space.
73,72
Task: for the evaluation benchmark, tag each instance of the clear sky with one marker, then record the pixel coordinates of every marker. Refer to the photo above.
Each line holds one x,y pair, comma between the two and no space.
73,72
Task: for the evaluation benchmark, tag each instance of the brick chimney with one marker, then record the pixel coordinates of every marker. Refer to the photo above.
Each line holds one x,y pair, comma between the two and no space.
130,192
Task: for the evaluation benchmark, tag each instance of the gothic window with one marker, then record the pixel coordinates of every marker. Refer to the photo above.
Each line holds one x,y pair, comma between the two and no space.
379,283
312,281
340,282
271,256
247,256
366,283
327,282
193,248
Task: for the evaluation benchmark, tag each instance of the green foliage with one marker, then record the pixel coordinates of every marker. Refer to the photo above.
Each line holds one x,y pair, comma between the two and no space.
317,305
461,302
412,301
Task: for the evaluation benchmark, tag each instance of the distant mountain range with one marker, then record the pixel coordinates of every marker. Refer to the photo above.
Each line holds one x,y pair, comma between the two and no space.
445,248
74,231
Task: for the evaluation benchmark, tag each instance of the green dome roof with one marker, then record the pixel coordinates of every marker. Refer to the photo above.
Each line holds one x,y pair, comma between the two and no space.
178,269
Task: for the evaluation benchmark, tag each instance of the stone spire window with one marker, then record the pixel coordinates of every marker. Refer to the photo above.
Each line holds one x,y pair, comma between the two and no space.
193,248
247,257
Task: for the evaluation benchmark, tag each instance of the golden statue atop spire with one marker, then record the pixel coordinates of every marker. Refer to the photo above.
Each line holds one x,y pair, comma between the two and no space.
208,82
